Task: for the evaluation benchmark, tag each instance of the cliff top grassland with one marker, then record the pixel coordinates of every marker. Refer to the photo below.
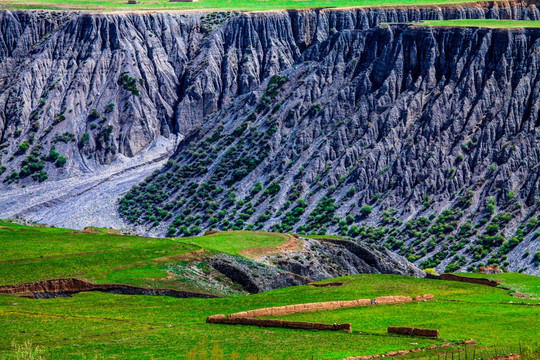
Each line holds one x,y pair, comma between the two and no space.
241,5
100,255
117,326
485,23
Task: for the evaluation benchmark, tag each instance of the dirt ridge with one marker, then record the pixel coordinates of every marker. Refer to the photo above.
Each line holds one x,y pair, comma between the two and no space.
67,287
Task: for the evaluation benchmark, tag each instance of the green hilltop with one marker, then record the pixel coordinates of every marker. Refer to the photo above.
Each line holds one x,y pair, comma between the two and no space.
240,5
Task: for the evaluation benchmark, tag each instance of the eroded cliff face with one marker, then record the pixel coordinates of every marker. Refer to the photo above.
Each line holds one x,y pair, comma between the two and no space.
434,130
331,113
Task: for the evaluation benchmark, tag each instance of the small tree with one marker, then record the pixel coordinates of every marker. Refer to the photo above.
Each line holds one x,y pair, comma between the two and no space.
365,210
61,161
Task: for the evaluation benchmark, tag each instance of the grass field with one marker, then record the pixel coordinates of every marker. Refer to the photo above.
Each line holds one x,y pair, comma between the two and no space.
241,5
110,326
41,253
137,327
235,241
486,23
526,284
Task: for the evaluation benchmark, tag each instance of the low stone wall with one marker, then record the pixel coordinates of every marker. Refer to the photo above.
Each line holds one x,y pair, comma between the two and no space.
413,331
222,319
480,281
425,297
332,284
489,269
299,308
248,317
385,300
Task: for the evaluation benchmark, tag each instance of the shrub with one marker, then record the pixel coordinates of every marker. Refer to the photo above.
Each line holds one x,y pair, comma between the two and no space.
53,154
109,108
13,177
94,114
84,139
431,271
171,231
23,147
65,137
273,189
59,118
365,210
61,161
256,189
274,84
492,229
324,212
536,258
350,193
129,83
40,176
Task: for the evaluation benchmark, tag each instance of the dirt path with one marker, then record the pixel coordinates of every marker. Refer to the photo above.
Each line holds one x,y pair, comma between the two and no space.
291,244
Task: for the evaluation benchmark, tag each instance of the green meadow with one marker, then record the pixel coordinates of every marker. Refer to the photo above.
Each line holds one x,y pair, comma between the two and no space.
109,326
234,242
240,5
104,256
91,325
485,23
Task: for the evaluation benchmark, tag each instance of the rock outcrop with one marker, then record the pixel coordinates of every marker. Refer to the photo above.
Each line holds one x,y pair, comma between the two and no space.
318,260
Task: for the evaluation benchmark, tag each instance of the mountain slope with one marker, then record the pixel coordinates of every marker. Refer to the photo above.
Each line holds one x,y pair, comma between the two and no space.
433,127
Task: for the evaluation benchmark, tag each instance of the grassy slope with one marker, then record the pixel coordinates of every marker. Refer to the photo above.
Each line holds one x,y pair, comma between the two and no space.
487,23
235,241
35,253
527,284
137,327
211,4
112,326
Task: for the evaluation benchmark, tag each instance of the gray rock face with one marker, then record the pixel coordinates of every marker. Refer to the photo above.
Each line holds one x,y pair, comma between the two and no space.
420,124
318,260
255,277
410,121
326,259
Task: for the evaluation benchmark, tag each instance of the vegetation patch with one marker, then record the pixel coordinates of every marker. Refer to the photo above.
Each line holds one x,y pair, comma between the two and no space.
485,23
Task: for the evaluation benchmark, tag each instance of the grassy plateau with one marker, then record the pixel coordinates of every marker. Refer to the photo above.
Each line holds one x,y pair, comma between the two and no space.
104,256
485,23
109,326
241,5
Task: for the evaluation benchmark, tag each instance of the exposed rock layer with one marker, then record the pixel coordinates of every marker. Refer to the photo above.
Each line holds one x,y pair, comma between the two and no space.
66,287
318,260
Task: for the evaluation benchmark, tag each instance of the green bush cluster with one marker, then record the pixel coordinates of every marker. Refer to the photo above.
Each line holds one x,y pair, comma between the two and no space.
129,83
274,84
